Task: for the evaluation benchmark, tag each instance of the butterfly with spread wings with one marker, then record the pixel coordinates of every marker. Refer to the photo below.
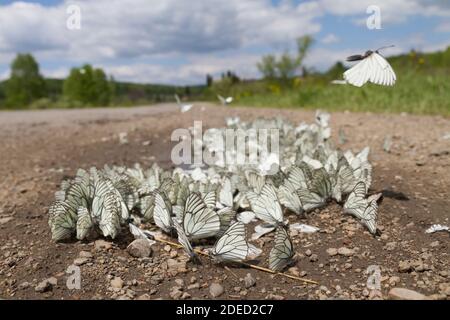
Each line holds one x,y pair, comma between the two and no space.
232,246
372,67
282,252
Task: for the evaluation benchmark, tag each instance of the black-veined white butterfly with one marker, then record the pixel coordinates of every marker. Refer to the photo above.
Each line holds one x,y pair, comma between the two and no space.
225,101
184,241
162,214
232,246
371,68
358,206
266,205
199,221
282,252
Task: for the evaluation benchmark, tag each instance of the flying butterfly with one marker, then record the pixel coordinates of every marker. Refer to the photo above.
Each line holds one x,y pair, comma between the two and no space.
282,252
232,246
225,101
371,68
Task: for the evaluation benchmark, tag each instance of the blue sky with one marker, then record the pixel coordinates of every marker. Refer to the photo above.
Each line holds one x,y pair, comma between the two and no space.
178,42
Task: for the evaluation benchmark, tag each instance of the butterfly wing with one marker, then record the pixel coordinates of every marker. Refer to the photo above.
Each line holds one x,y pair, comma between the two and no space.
266,205
356,202
369,217
383,73
282,252
359,74
161,214
232,246
199,221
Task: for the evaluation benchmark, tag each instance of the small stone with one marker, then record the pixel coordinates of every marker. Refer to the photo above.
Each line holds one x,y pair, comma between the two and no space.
102,245
117,283
85,254
5,220
394,280
140,248
145,296
314,257
294,271
434,244
167,248
176,293
24,285
249,281
308,253
179,282
405,266
332,251
343,251
80,261
405,294
272,296
216,290
45,285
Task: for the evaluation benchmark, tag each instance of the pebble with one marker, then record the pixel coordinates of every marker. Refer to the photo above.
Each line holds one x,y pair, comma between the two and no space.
85,254
332,251
46,285
117,283
314,257
140,248
80,261
405,294
102,245
216,290
249,281
308,253
343,251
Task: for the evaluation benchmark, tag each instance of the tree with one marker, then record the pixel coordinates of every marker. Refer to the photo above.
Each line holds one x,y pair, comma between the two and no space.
87,85
25,84
267,67
287,65
209,80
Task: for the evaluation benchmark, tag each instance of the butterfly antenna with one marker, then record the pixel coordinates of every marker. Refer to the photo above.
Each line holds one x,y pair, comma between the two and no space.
385,47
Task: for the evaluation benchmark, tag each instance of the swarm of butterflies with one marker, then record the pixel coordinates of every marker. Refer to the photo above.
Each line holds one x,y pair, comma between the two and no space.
213,205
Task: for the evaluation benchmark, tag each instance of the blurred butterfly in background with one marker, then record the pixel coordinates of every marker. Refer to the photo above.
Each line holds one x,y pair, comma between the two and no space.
371,68
183,107
225,101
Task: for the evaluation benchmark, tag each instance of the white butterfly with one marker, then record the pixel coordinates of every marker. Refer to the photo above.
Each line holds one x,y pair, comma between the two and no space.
199,221
232,246
371,68
362,208
184,241
282,252
225,101
266,205
183,107
162,214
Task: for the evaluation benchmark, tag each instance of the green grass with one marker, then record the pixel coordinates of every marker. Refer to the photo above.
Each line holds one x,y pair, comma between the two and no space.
414,92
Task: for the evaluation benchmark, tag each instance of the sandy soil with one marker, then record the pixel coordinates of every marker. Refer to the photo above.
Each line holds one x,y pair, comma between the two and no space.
40,148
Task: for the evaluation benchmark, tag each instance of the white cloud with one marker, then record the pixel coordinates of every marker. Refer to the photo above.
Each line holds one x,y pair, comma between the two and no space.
136,28
392,11
330,38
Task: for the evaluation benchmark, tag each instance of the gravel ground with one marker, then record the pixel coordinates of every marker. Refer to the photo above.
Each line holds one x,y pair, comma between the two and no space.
40,148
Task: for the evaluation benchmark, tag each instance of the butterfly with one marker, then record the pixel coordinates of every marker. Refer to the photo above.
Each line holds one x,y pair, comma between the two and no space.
266,205
232,246
363,209
184,241
282,252
162,214
183,107
225,101
84,223
61,223
371,68
199,221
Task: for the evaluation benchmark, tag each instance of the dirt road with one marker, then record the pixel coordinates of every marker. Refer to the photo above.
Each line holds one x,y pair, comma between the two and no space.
40,148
